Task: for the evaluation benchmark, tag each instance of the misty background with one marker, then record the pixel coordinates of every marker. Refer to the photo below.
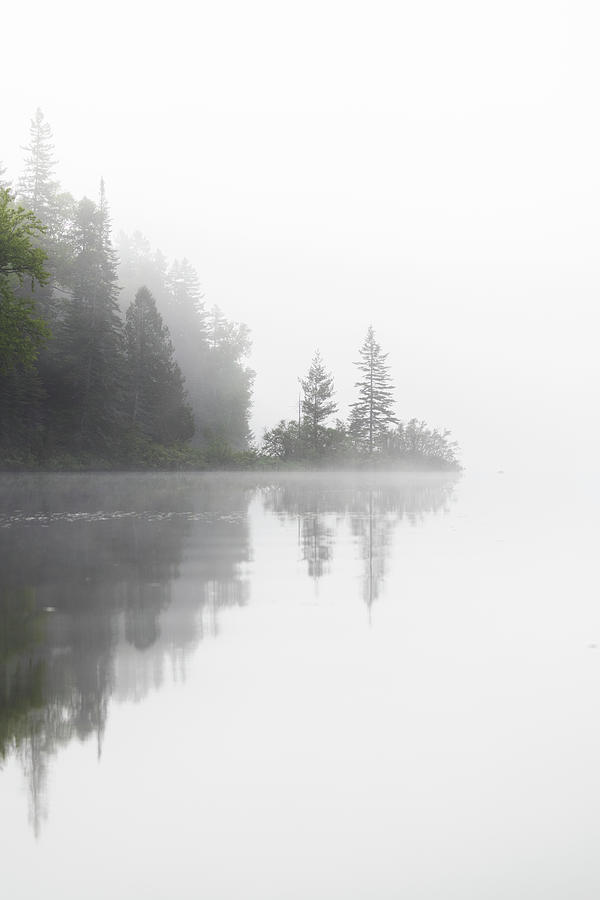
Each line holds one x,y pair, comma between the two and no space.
431,169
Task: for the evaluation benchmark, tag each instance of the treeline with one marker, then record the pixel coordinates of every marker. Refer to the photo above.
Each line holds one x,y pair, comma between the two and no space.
101,362
371,435
109,356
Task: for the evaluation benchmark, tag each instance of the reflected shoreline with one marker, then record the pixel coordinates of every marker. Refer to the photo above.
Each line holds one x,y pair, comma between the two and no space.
107,580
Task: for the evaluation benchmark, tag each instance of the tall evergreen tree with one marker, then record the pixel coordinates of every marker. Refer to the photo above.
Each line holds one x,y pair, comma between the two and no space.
186,318
139,264
156,397
37,187
210,350
105,220
39,191
88,394
224,386
186,314
318,403
372,414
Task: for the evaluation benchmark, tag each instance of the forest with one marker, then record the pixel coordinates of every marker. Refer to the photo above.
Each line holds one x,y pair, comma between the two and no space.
110,357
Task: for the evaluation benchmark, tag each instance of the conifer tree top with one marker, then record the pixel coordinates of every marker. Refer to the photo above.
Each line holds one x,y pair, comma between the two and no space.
372,414
37,186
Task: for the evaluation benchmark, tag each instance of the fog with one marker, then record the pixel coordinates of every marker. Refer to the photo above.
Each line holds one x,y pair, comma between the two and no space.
428,168
274,683
231,685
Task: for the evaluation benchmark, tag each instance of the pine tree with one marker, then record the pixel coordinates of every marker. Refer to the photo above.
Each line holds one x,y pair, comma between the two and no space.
156,396
105,220
39,191
185,315
210,351
372,414
224,385
318,403
37,188
139,264
89,346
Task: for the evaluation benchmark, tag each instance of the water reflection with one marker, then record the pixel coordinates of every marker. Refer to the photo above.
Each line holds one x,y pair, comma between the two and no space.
87,605
374,505
107,580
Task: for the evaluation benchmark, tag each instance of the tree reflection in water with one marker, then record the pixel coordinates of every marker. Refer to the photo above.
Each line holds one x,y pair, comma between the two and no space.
373,504
106,579
87,605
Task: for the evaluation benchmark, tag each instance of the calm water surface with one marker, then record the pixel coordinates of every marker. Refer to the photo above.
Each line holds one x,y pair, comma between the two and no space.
299,687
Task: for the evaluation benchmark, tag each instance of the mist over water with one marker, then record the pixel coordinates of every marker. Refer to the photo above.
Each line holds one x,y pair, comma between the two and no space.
306,685
431,169
266,237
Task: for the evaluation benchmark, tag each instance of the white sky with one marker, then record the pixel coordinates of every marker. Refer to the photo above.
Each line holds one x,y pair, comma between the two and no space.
431,168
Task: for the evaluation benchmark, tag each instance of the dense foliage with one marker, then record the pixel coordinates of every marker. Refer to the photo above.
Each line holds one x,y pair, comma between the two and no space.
210,350
109,356
106,361
156,402
21,331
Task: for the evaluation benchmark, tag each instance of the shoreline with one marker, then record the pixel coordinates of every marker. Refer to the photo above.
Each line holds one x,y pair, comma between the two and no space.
97,467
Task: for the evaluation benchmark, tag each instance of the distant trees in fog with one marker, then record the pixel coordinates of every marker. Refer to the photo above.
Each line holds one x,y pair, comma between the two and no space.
111,356
372,434
156,401
100,357
210,350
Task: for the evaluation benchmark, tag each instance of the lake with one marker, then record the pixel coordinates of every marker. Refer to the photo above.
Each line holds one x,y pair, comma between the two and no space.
287,687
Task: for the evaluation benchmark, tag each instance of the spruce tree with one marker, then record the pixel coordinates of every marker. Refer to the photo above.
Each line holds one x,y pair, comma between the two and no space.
139,264
210,351
156,396
88,393
318,403
37,187
39,191
105,220
224,388
185,314
372,414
